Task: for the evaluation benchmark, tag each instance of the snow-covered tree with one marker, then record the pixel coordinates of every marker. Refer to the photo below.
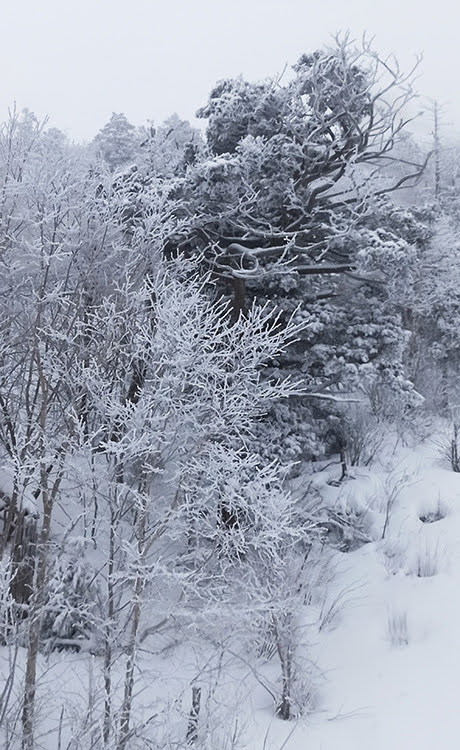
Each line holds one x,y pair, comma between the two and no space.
56,250
203,508
167,150
117,142
126,382
280,206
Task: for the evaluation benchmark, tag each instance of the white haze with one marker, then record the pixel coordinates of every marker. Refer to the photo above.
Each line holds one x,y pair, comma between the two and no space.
78,61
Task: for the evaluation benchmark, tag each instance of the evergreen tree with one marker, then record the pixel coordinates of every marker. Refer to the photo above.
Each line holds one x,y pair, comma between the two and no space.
117,142
282,206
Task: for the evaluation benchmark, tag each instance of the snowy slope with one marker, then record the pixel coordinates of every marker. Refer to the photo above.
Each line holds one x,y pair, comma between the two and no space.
380,644
391,661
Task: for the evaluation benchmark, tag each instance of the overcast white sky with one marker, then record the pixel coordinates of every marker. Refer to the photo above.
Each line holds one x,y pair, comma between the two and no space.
79,60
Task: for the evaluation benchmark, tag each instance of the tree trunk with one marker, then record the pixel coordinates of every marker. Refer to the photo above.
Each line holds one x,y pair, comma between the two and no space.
192,729
283,637
139,584
284,707
35,618
37,601
108,632
239,298
23,555
343,464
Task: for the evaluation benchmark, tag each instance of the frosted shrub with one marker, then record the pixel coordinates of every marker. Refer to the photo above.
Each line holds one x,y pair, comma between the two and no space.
7,603
449,447
398,405
454,453
395,483
432,515
427,561
348,524
397,628
361,435
68,609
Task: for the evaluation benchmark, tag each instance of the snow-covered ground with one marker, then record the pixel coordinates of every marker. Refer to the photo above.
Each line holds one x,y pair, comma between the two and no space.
391,660
381,649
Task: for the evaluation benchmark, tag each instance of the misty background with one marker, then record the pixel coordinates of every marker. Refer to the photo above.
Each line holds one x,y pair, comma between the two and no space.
79,61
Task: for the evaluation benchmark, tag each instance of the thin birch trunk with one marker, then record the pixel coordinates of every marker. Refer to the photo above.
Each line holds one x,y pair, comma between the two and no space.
139,584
